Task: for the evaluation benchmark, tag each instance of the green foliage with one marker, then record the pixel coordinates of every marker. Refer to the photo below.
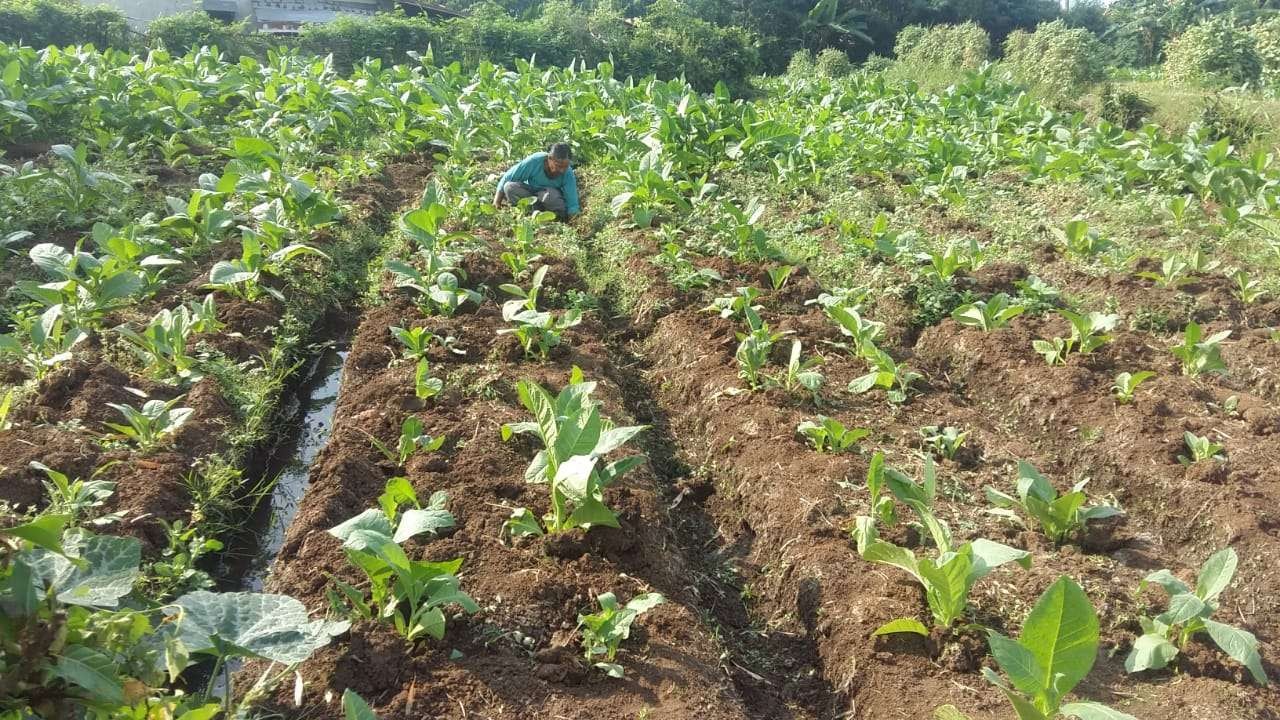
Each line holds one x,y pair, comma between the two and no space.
1080,239
1058,61
1248,288
895,378
575,440
1200,449
411,594
1124,107
966,46
151,425
187,31
1214,53
946,579
50,22
943,442
1056,650
538,331
602,632
1058,516
1266,39
832,63
827,434
1088,333
1200,354
1127,383
412,439
162,344
1191,612
681,271
800,374
42,342
988,315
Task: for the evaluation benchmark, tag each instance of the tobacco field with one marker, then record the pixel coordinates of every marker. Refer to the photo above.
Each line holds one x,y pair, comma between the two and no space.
845,401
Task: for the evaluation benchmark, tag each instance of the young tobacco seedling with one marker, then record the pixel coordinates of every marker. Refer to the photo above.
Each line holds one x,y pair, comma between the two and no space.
1080,239
604,631
1248,289
151,425
162,344
1200,449
412,439
1088,333
778,276
75,498
830,435
989,315
945,579
737,304
575,439
1190,612
1037,295
943,442
1127,384
754,348
1059,517
1057,649
853,325
439,286
1199,354
681,271
885,373
538,332
1174,273
409,593
43,342
800,373
425,387
417,342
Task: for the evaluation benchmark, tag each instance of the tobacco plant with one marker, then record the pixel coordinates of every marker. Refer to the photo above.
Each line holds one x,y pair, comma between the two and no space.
1127,383
946,579
411,594
800,374
1200,449
418,341
412,439
1174,273
1088,333
42,343
852,325
162,344
754,349
827,434
1080,239
1247,288
1200,354
737,304
943,442
151,425
1191,612
1058,516
988,315
896,379
604,631
1056,650
538,331
575,440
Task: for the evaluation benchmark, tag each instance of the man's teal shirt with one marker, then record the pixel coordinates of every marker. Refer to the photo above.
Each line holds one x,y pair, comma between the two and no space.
533,172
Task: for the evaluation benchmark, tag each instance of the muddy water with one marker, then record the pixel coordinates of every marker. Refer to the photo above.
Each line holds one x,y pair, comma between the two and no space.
250,560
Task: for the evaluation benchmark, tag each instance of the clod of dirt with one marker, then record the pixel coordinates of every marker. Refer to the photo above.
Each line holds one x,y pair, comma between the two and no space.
560,665
569,545
998,277
1210,471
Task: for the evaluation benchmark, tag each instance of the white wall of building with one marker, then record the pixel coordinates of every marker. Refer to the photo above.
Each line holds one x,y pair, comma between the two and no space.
142,12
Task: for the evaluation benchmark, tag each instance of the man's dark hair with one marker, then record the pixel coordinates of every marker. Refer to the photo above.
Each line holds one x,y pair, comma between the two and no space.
560,151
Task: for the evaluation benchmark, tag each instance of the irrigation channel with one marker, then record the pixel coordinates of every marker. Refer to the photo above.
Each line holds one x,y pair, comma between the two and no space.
247,562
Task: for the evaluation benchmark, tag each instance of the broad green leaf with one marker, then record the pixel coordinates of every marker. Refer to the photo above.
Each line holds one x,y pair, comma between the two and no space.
1062,633
902,625
949,712
1183,607
573,477
1241,645
92,671
1022,707
415,522
879,551
97,570
1216,574
988,555
1017,661
592,512
1150,652
368,530
522,523
275,627
355,708
1166,580
946,584
1094,711
43,532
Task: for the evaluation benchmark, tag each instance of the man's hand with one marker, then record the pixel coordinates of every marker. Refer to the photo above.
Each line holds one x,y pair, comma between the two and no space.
498,198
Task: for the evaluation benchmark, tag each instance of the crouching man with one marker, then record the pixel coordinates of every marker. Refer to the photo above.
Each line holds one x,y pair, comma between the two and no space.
547,177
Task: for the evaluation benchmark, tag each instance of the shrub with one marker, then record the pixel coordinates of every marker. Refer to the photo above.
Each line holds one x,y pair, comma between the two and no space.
1230,117
1125,108
964,46
833,63
195,29
387,36
1266,38
801,65
670,40
40,23
1214,53
1057,61
876,63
